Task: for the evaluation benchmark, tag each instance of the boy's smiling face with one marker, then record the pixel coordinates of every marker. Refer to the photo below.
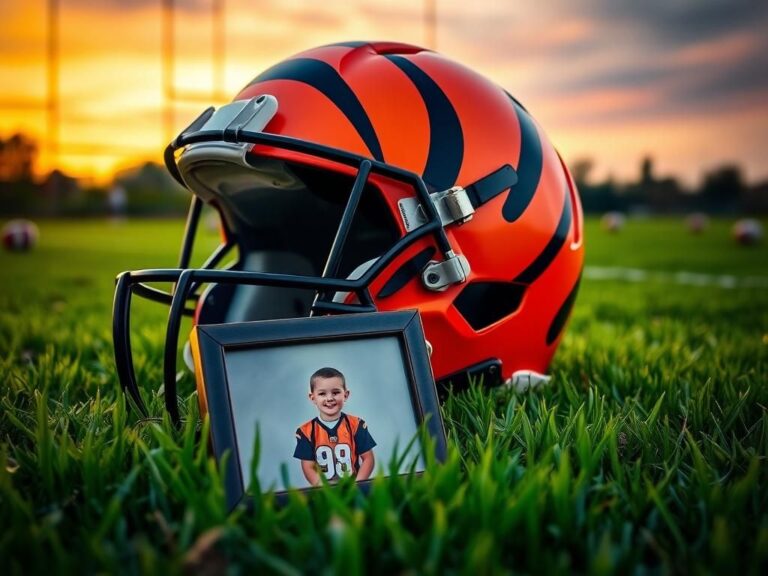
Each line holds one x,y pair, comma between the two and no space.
329,395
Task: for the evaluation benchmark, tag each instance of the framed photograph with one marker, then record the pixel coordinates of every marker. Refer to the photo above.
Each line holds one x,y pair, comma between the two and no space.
324,397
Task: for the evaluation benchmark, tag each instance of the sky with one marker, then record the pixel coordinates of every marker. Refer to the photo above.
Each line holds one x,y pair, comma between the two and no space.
684,81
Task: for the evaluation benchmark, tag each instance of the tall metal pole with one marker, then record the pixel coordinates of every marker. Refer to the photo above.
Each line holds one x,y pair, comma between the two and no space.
167,72
430,23
170,94
52,104
219,46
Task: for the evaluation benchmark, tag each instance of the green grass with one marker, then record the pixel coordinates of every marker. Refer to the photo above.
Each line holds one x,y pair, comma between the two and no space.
646,454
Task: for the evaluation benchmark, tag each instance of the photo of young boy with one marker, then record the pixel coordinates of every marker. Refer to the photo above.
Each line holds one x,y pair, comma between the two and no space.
333,443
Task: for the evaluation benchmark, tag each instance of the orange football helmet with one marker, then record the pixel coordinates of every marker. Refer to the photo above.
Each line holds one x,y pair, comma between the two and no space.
377,176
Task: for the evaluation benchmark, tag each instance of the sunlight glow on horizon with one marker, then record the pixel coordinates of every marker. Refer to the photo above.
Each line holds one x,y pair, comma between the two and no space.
112,104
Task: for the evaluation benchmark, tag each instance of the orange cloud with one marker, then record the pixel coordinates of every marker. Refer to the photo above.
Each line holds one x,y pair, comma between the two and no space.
595,94
720,51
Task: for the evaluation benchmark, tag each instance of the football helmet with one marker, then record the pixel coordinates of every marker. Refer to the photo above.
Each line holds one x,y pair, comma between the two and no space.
375,176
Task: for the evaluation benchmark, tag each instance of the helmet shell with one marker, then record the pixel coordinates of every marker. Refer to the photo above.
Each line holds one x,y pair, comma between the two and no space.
420,111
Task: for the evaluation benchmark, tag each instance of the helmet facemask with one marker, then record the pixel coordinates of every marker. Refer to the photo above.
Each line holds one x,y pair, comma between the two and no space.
475,220
283,216
342,233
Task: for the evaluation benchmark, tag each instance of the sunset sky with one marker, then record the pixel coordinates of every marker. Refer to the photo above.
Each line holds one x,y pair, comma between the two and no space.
685,81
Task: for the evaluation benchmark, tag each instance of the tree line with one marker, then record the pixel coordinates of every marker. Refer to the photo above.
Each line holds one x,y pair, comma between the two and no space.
723,190
149,190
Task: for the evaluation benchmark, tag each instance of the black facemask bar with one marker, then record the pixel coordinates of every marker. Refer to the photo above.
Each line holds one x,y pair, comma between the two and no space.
187,282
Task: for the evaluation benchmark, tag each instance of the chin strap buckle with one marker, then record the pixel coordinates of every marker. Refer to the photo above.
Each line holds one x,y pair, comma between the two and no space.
453,207
437,276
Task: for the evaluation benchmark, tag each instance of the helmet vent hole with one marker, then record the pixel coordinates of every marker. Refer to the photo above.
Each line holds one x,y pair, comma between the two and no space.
485,303
385,48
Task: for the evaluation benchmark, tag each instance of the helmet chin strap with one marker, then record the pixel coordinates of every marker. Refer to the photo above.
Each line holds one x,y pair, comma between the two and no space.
455,206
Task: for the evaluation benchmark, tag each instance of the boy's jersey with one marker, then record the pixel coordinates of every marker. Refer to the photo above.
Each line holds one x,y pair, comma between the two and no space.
336,450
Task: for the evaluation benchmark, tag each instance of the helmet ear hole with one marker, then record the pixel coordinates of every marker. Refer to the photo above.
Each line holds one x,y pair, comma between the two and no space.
485,303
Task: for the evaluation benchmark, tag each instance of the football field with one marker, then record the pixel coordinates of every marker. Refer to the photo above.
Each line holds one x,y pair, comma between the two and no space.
646,453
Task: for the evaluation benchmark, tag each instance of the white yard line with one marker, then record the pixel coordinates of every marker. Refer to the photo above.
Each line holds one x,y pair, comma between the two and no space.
682,277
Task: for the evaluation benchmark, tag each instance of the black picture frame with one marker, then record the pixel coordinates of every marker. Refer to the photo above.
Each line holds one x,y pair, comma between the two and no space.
220,351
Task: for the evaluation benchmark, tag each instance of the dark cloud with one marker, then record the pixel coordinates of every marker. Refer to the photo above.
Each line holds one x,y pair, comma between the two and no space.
679,22
663,66
647,46
726,86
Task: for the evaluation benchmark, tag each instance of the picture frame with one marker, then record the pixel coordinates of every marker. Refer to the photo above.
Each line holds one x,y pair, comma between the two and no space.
253,381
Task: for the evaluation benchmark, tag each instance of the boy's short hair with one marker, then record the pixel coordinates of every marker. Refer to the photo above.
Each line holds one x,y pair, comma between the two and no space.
326,372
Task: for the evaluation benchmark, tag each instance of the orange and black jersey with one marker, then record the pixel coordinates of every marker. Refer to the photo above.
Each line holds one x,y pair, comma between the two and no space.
336,450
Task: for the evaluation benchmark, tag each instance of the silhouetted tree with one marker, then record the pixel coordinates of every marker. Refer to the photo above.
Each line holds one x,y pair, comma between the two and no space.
723,188
756,198
646,171
580,171
150,190
657,195
17,158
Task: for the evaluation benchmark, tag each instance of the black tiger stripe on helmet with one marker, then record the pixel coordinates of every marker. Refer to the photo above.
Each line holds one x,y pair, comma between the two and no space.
558,322
550,251
446,143
529,166
324,78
